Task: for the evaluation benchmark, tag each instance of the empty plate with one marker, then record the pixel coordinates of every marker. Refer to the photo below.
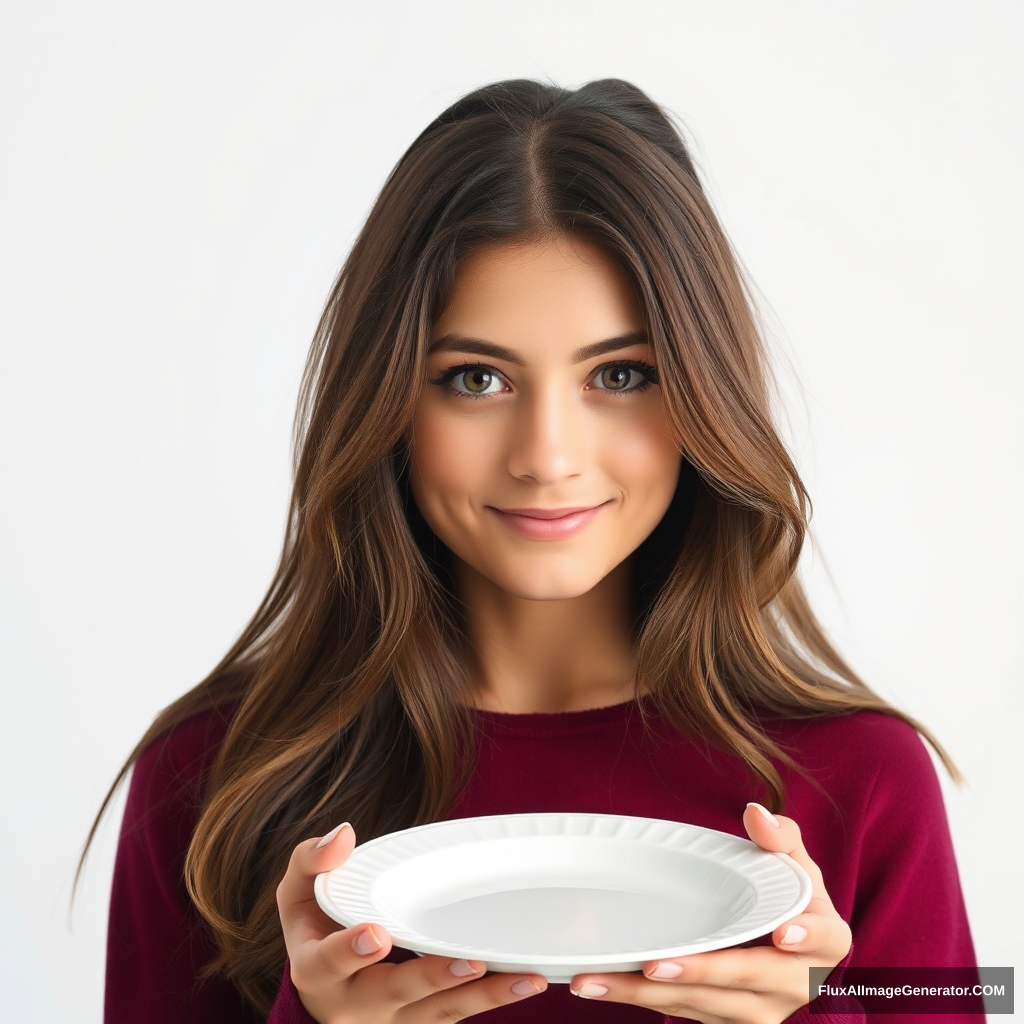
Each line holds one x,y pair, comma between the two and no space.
561,894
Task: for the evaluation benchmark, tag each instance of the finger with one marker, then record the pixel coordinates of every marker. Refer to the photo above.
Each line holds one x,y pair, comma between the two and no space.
301,917
754,969
819,931
697,1002
822,935
819,939
487,993
418,987
397,985
335,957
779,834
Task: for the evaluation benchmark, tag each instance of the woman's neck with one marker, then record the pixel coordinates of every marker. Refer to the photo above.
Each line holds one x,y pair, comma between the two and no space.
548,656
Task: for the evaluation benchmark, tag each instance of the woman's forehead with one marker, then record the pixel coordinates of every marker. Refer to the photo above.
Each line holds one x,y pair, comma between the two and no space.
561,289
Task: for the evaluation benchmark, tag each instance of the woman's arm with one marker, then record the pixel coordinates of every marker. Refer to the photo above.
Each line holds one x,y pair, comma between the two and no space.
908,910
157,945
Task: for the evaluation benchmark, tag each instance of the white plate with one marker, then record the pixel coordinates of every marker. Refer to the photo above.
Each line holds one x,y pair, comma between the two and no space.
560,894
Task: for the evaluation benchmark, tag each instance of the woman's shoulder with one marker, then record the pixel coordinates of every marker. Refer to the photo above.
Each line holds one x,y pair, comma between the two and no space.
173,767
191,744
877,753
816,735
875,731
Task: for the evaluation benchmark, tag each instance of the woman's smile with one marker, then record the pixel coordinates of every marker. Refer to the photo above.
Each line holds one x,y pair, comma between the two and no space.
548,524
541,453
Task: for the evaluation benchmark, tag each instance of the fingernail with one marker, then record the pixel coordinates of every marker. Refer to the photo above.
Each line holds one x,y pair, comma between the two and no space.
794,933
525,988
767,814
590,990
461,968
366,942
332,835
666,970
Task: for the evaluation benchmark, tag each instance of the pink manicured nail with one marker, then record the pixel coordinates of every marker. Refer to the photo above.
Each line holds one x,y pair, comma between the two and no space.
332,835
590,990
525,987
794,933
461,968
767,814
666,970
366,942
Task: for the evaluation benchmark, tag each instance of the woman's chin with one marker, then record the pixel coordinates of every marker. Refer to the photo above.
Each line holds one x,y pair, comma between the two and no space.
555,587
533,578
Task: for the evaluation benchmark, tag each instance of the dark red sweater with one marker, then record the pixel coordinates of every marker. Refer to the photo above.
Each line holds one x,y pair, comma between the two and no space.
876,827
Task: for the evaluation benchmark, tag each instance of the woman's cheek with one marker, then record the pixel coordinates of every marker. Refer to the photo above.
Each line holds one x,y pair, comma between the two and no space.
643,458
452,459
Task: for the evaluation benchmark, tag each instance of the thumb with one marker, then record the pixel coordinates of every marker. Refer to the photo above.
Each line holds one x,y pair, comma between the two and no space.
779,834
301,917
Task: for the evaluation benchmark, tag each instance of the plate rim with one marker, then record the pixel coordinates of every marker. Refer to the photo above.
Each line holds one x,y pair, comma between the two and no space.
515,960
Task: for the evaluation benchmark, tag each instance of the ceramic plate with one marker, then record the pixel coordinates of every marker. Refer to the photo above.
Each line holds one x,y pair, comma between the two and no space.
560,894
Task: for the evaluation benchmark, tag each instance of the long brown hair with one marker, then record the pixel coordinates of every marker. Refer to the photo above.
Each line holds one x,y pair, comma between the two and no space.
347,688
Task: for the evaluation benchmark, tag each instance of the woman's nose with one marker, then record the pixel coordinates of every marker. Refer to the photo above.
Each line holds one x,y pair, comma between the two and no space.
549,439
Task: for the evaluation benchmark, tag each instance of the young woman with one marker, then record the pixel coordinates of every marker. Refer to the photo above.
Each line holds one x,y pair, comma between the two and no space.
541,557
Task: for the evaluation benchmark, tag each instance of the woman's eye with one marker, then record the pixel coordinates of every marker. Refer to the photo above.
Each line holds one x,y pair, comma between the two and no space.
471,381
625,377
478,381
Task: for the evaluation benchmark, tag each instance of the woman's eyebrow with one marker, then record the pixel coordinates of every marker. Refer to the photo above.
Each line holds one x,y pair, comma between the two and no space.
478,347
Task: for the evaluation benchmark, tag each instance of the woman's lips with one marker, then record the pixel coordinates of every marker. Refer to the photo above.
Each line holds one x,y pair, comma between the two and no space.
547,523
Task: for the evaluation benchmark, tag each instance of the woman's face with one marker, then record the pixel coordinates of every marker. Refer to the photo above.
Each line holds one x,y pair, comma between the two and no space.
541,453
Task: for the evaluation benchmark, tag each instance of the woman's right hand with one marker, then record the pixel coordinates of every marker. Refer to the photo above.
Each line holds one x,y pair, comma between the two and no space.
338,974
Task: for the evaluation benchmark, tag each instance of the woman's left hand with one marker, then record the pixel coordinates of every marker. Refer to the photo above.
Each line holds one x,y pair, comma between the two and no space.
756,985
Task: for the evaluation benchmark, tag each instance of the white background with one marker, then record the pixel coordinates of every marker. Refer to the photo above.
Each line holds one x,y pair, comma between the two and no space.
179,183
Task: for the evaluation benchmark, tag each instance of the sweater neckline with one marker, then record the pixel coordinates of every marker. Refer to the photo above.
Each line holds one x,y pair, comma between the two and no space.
562,723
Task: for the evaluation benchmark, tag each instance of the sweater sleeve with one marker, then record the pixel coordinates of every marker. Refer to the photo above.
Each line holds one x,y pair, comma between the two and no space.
288,1008
158,948
905,905
909,909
